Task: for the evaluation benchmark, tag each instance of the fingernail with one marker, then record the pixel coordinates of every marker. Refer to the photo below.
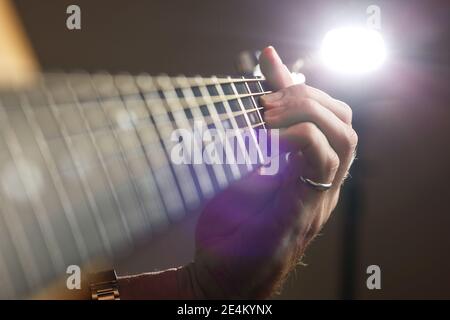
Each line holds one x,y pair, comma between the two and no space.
272,97
276,58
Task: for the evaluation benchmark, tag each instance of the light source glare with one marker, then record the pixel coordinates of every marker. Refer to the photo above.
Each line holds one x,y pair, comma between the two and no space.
353,50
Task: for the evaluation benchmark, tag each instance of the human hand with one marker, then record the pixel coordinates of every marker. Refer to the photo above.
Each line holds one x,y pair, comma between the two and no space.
251,235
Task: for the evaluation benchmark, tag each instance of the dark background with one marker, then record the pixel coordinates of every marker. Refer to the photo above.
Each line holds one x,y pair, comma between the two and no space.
395,211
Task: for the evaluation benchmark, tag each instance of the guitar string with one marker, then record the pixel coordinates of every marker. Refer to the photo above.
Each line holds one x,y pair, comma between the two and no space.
81,174
235,114
55,177
157,207
155,142
249,124
186,102
232,97
40,213
206,119
146,80
115,89
234,125
213,176
205,185
175,201
124,221
219,125
143,123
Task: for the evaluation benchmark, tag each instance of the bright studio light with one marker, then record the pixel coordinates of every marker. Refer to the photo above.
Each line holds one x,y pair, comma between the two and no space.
353,50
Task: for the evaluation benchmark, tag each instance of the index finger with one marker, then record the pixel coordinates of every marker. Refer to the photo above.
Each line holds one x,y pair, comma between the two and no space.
276,73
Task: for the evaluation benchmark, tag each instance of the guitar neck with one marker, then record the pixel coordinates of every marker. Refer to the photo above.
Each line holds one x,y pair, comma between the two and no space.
86,169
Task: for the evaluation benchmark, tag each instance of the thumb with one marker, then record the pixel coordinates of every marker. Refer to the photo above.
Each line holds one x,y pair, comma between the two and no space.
274,70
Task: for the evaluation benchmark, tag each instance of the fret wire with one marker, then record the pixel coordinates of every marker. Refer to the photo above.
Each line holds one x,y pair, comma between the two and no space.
56,179
111,158
267,92
99,154
222,116
157,207
183,175
214,99
21,244
256,125
204,102
151,145
19,239
172,200
38,208
226,80
151,181
106,241
133,151
218,125
254,102
103,160
165,178
232,117
252,132
216,116
258,83
218,170
258,112
185,105
234,166
192,81
87,126
123,155
200,100
143,122
182,121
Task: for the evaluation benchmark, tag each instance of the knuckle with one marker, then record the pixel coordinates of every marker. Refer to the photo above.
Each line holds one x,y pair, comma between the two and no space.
333,162
351,140
309,130
298,89
347,113
285,92
334,200
308,104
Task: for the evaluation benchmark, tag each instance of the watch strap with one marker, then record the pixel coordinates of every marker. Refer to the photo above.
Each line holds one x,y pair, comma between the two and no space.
104,285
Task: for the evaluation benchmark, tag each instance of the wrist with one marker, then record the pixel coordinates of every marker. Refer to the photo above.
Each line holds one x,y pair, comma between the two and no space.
179,283
204,284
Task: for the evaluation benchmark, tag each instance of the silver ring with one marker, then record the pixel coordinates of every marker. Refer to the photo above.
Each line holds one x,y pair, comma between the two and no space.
316,185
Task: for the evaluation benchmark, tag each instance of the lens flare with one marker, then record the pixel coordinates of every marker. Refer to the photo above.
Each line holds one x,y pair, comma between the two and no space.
353,50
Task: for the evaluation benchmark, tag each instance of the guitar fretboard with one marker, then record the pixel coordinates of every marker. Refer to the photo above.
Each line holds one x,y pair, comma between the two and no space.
85,167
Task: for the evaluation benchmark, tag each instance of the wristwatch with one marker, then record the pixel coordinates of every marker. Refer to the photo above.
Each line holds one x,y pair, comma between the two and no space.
104,286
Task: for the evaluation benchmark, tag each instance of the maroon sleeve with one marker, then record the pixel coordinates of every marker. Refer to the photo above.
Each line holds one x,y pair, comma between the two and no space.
169,284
